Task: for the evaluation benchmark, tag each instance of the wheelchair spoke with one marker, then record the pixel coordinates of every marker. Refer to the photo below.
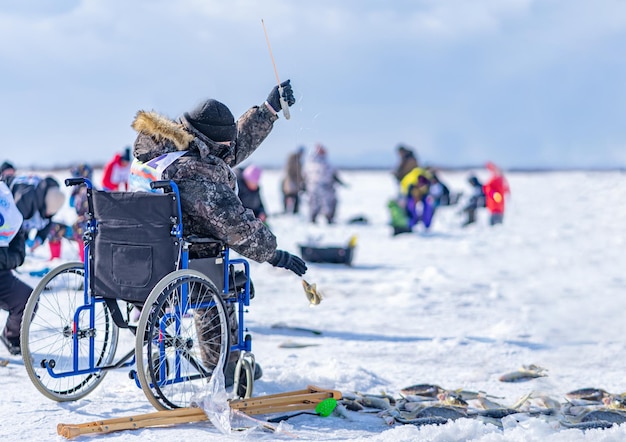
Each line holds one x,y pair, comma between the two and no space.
58,368
185,338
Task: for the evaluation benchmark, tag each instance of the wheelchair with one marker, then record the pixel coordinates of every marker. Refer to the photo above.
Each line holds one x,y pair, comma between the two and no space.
192,297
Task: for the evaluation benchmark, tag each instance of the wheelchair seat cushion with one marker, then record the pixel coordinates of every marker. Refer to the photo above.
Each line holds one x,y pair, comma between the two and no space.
133,247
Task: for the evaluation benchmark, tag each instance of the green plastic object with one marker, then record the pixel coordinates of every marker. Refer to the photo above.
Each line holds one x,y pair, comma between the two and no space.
326,407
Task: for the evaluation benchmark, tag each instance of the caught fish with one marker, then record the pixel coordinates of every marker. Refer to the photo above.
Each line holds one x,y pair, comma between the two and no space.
451,398
576,411
588,394
615,402
341,411
421,421
615,417
350,395
487,404
495,413
429,390
468,395
374,402
382,395
591,425
583,403
351,404
417,398
525,373
547,402
414,406
390,416
441,411
311,292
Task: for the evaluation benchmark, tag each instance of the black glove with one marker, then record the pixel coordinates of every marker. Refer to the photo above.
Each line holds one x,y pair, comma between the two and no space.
288,261
274,100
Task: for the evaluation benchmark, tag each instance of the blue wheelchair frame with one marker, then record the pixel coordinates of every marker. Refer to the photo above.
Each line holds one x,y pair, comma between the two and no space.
242,298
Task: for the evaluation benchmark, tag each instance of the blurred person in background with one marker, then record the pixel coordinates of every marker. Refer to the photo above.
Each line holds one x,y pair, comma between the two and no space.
38,200
249,190
6,170
117,171
475,201
321,178
420,205
414,203
13,292
407,162
438,190
496,190
293,182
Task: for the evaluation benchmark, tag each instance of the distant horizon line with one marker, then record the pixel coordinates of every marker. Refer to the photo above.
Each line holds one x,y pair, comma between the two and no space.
443,168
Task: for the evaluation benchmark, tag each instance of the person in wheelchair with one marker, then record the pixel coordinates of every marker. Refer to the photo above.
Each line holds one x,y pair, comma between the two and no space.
198,151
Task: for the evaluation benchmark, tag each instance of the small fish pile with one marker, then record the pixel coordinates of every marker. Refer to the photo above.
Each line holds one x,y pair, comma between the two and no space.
593,408
429,404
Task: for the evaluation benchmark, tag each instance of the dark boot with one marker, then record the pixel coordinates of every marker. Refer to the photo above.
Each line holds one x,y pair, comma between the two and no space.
12,344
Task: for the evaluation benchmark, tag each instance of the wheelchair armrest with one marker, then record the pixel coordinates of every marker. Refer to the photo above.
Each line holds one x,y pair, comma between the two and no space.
195,239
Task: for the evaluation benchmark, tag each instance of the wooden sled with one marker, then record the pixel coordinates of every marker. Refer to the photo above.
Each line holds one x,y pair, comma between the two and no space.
306,399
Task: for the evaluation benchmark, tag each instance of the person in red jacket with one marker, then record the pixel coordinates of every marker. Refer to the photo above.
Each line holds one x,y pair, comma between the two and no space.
496,189
117,171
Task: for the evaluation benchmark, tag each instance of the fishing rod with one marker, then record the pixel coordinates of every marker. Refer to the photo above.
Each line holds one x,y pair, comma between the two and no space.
283,102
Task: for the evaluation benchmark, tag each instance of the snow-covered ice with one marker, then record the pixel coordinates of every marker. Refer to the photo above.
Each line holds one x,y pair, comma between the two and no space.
453,307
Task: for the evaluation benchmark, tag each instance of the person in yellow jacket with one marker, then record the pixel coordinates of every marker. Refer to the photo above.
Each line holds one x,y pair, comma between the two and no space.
412,178
412,205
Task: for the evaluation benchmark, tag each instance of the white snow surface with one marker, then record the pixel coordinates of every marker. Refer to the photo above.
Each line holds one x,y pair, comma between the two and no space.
457,307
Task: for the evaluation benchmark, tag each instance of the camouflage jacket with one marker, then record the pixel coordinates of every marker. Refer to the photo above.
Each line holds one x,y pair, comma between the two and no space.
211,207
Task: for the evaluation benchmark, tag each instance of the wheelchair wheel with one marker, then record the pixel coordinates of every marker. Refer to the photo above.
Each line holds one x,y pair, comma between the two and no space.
47,335
182,338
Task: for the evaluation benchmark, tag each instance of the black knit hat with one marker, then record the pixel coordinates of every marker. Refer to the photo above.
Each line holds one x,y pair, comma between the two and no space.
213,119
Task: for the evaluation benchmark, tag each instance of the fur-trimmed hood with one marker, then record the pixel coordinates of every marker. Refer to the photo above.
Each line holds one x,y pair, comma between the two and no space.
160,127
160,135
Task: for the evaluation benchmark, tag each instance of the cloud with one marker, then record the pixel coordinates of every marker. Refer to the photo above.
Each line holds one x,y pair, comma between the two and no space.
519,81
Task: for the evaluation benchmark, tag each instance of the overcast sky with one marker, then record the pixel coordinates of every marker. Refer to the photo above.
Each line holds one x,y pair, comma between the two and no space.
524,83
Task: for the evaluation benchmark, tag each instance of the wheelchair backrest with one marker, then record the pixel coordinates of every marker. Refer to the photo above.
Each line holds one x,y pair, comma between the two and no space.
133,247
